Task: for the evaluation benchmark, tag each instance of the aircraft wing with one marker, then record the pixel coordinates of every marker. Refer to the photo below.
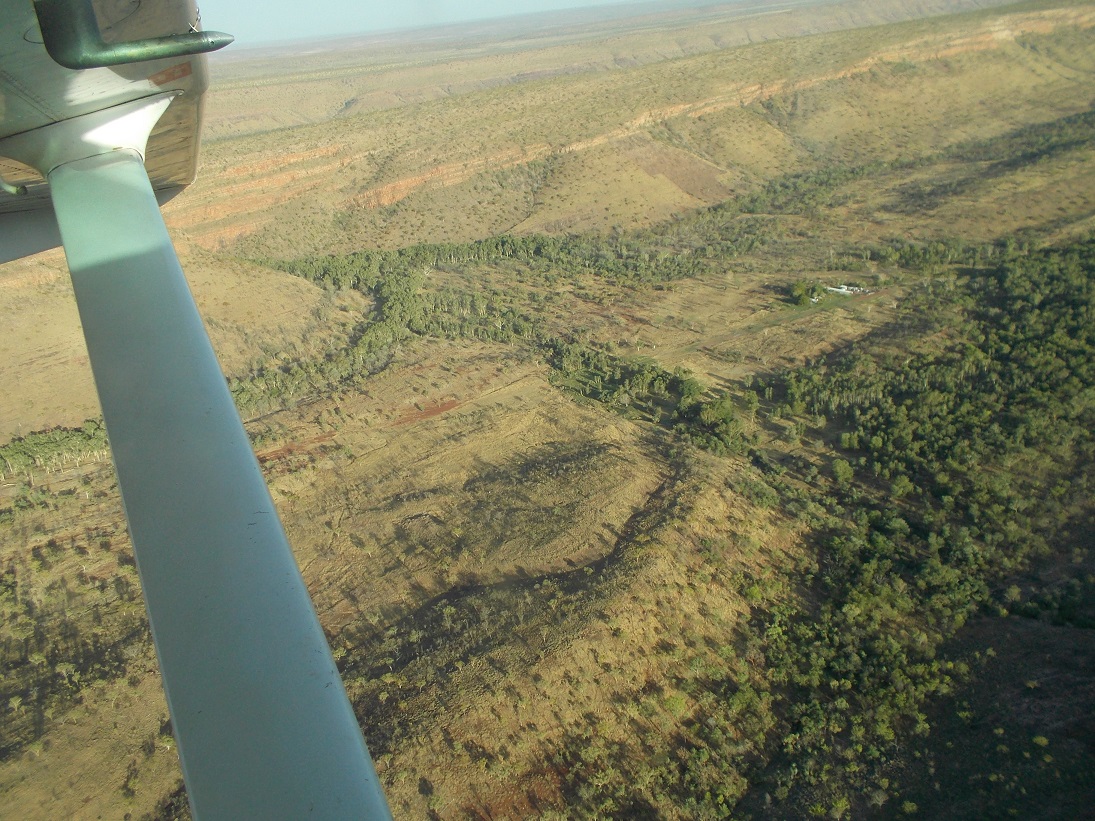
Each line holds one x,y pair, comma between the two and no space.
36,91
100,111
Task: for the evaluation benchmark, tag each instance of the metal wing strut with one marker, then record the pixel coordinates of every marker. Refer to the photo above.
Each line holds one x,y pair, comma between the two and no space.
263,724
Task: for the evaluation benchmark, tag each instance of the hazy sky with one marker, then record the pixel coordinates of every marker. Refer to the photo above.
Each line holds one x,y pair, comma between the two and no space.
259,21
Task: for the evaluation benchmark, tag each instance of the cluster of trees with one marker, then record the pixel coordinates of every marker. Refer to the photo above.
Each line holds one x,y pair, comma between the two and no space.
930,422
53,447
805,291
806,192
643,387
591,372
959,462
404,307
716,424
393,281
645,257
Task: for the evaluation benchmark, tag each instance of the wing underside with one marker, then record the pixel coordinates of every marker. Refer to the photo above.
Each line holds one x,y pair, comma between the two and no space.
36,92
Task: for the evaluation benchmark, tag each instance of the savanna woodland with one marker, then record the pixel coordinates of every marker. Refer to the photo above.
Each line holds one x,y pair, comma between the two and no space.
771,501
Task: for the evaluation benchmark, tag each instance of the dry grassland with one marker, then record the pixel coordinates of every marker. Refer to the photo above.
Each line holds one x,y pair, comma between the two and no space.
373,179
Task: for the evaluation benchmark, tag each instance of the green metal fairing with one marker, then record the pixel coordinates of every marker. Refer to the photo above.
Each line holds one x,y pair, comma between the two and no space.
71,36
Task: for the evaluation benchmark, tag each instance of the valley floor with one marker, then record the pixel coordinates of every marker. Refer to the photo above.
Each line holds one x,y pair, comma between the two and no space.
609,504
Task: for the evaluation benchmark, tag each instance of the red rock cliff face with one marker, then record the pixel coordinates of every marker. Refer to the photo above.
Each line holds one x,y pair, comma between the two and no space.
236,200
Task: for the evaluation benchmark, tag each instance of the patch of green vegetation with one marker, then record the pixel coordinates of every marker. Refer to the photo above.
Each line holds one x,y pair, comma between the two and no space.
943,448
927,514
404,307
643,389
51,448
803,292
943,457
913,546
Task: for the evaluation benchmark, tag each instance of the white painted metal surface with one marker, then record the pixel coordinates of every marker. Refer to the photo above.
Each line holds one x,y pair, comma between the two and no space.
263,724
35,92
